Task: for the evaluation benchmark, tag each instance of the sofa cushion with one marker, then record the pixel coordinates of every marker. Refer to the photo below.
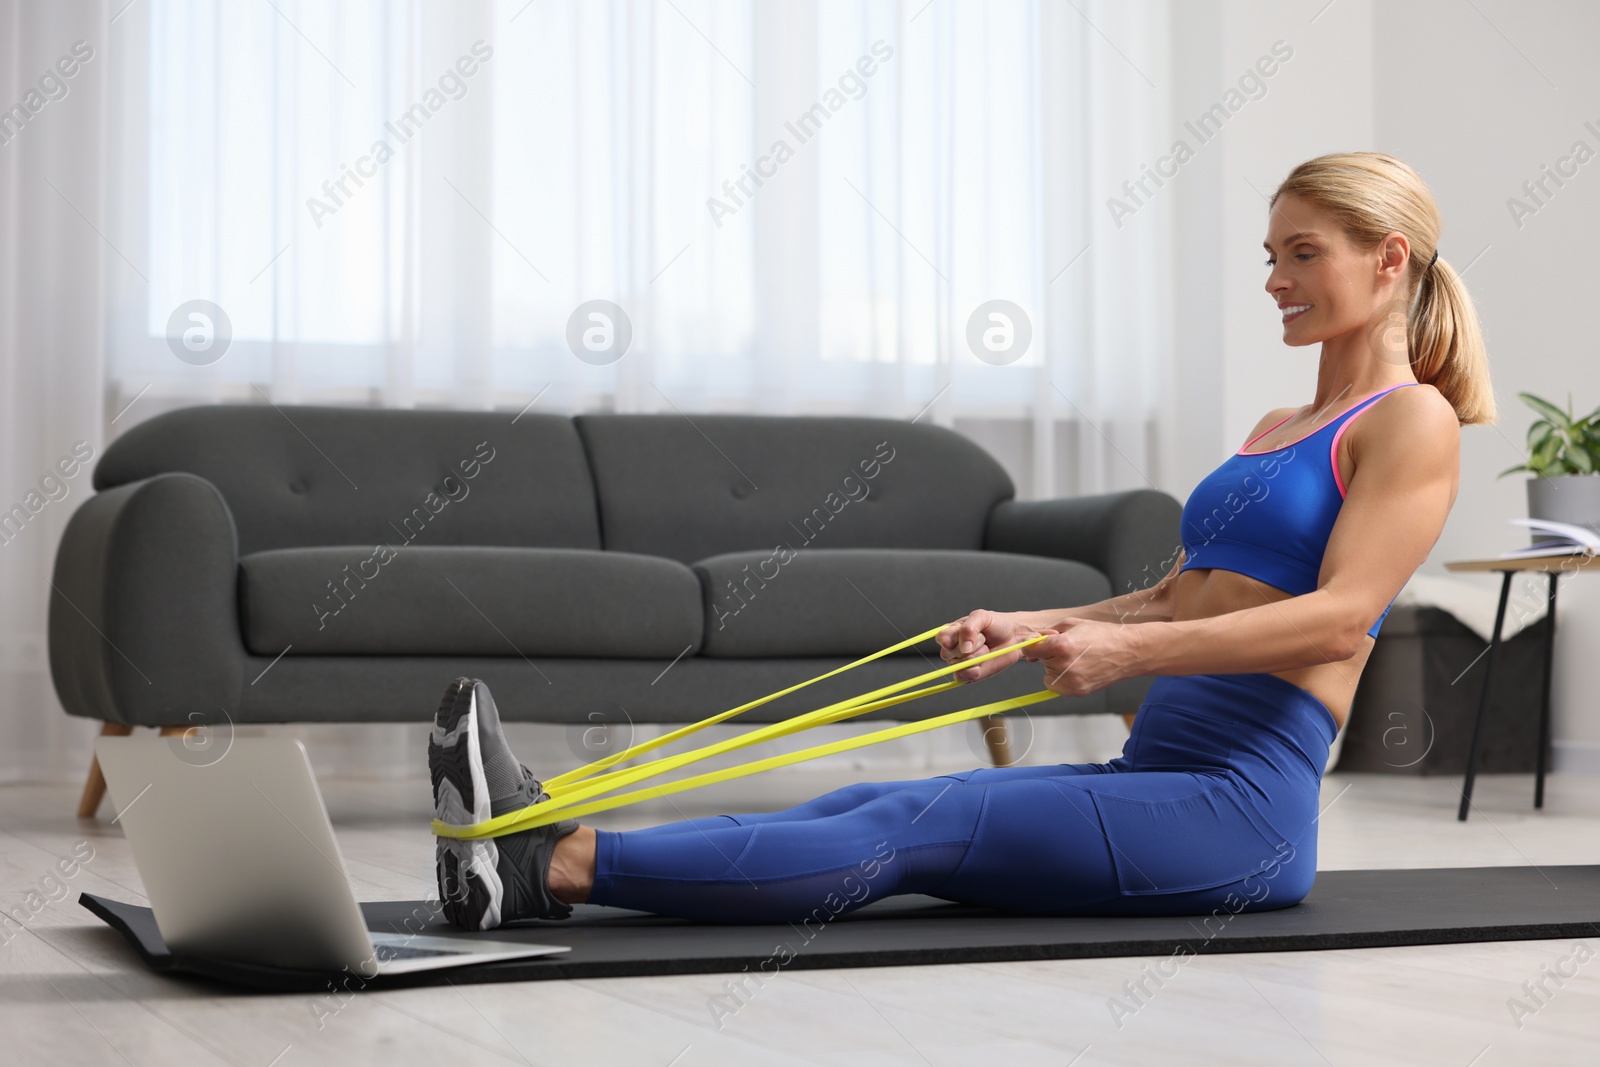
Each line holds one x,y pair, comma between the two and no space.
692,487
849,602
528,602
300,476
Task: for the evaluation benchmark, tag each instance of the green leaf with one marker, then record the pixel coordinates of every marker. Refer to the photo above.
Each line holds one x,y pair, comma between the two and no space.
1545,455
1541,427
1580,460
1547,409
1509,470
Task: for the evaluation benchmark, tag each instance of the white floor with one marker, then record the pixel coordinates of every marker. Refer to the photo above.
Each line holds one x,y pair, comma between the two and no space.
72,993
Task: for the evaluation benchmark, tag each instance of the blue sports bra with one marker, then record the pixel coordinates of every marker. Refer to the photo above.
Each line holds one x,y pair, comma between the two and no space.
1269,514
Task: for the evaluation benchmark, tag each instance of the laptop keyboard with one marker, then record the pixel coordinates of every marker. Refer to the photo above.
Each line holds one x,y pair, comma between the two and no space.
388,952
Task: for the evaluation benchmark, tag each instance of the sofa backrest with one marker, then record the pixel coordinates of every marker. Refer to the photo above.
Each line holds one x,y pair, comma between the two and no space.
690,487
298,476
668,485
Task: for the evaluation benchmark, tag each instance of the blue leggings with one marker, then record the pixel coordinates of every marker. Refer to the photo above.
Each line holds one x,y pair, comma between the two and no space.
1212,804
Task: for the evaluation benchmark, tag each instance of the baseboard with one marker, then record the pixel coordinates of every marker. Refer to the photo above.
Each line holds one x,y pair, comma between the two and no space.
1575,757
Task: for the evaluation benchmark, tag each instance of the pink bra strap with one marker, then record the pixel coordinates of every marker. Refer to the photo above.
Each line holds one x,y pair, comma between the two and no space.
1269,429
1355,413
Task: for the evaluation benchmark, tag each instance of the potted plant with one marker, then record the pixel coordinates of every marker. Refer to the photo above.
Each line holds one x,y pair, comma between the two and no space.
1564,457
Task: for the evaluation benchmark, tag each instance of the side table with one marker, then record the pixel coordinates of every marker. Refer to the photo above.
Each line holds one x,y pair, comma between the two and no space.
1555,566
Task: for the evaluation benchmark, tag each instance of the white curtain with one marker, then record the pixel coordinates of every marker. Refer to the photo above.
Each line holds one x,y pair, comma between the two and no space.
53,67
797,207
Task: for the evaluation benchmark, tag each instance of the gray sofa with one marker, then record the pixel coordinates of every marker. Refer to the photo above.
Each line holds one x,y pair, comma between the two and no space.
325,564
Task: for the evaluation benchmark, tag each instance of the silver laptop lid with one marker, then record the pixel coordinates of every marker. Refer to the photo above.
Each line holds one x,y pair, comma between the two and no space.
236,852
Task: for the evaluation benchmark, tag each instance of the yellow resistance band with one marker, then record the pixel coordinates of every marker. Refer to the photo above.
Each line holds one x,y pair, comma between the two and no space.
569,798
563,795
555,784
821,717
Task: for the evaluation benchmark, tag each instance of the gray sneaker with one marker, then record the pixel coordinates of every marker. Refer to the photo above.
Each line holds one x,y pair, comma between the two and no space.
493,880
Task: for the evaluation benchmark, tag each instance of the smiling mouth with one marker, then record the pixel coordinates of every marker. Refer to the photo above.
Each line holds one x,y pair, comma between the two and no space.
1294,311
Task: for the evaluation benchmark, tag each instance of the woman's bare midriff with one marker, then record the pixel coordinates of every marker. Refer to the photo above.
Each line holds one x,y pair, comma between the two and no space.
1201,593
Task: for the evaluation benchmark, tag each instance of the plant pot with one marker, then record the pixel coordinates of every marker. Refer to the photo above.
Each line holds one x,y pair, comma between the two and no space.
1573,498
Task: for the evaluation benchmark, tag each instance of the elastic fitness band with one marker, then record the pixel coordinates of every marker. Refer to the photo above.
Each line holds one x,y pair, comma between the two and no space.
571,796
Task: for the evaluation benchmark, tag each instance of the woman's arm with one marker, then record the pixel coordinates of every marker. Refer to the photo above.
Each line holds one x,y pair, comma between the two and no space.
1151,604
980,631
1399,497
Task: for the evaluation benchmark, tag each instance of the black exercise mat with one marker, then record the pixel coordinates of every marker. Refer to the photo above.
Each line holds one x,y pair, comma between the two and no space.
1345,909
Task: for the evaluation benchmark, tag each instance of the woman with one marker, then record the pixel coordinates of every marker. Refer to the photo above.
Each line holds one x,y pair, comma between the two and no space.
1292,550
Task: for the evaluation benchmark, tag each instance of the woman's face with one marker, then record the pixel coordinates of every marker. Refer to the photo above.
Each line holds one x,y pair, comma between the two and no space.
1323,286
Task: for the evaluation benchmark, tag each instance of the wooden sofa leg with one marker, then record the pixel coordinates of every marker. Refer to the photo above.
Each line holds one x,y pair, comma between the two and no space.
94,790
998,739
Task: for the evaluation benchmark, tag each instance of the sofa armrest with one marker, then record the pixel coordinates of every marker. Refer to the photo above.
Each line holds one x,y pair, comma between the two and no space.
144,621
1131,537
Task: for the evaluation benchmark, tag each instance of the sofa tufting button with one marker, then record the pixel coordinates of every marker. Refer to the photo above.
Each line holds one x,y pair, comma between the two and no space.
740,490
297,486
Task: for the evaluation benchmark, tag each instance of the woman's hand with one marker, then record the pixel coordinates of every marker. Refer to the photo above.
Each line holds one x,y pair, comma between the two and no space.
1084,656
980,632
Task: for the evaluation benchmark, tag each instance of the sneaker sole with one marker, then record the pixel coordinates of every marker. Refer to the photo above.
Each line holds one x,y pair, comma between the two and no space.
470,889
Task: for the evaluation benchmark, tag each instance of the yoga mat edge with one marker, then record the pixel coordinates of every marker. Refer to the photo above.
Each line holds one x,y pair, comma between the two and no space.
936,932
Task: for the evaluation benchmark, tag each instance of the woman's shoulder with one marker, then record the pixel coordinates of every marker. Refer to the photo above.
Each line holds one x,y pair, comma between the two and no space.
1268,421
1421,405
1413,422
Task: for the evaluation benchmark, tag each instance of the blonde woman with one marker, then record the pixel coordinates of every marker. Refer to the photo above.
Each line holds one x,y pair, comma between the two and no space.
1293,548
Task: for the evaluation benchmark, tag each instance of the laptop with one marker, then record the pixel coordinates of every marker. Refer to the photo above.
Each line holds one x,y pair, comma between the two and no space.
240,863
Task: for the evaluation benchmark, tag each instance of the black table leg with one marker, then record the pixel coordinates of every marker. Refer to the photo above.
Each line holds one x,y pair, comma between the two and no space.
1544,705
1483,698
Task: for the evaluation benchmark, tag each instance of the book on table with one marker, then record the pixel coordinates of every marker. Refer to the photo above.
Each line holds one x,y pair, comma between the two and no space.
1561,538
